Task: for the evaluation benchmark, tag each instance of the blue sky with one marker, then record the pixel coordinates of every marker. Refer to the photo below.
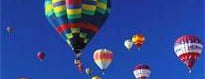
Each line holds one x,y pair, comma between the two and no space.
161,21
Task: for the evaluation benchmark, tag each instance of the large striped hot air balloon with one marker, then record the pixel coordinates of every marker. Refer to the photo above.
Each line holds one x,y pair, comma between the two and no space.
188,48
138,40
142,71
77,21
103,58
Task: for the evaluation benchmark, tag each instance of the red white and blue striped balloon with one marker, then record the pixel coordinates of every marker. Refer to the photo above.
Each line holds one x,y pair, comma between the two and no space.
188,48
142,71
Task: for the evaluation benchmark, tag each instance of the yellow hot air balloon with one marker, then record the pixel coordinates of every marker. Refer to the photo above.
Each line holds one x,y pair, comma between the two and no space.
138,40
96,77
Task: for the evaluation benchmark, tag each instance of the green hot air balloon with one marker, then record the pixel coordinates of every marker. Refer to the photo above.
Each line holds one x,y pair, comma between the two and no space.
77,21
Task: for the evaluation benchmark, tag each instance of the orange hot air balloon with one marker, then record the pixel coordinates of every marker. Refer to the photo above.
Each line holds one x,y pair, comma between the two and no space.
138,40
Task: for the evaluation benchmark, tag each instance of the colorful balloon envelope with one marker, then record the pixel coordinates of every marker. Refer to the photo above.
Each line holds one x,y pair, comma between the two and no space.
22,78
142,71
138,40
96,77
41,56
77,21
103,58
188,48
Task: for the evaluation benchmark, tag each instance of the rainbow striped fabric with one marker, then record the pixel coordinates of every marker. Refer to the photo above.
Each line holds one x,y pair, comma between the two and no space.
77,21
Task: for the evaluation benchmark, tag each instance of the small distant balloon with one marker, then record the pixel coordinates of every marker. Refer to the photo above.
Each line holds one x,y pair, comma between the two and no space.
80,67
128,44
22,78
138,40
9,29
142,71
96,77
41,56
88,71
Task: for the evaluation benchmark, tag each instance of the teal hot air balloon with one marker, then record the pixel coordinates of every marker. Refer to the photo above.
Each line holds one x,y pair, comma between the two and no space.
77,21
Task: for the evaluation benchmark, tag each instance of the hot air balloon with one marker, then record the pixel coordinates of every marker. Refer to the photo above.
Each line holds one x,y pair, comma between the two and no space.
142,71
22,78
138,40
128,44
96,77
188,48
41,56
9,29
77,21
88,71
103,58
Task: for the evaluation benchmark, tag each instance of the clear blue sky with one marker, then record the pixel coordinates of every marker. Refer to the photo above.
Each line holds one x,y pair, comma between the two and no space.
161,21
